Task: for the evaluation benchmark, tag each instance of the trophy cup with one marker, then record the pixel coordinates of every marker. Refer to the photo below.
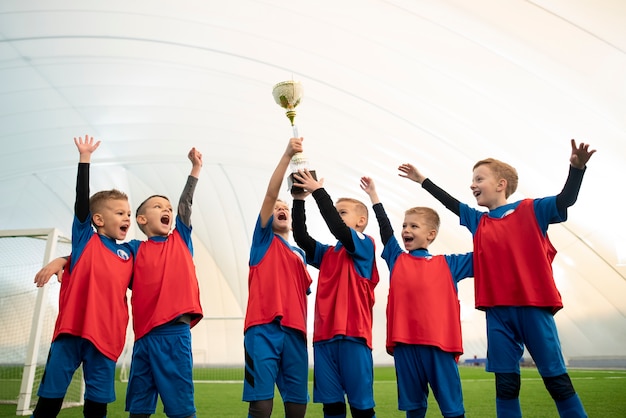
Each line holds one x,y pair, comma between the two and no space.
288,95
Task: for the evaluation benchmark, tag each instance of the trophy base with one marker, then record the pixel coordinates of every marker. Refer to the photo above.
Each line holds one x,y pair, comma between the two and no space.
297,189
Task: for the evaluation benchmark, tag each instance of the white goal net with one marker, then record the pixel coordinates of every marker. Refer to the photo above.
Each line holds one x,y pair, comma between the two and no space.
28,316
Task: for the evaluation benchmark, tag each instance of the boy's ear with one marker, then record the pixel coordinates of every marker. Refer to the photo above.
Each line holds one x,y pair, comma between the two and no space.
97,219
432,234
141,219
502,183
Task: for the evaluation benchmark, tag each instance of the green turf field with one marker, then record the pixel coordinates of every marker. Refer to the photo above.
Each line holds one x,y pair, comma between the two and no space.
603,393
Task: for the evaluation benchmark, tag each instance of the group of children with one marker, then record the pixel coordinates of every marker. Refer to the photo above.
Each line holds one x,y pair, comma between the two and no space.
93,310
514,285
511,264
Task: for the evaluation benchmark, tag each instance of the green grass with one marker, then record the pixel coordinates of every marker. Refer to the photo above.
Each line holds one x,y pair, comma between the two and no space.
603,393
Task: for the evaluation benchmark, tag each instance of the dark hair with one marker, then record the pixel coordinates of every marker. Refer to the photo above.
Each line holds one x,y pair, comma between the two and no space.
140,208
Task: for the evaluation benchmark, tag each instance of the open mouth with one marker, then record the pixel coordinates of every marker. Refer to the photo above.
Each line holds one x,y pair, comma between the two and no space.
124,228
165,220
407,240
282,216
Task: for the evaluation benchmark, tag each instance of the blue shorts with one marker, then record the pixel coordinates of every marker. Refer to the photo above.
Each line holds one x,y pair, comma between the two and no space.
343,367
275,355
509,329
417,366
162,364
66,354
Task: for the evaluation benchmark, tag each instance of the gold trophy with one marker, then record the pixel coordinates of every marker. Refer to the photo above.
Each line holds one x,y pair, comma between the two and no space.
288,95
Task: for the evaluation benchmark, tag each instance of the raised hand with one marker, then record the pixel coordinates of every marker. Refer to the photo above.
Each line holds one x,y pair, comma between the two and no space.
304,179
408,171
195,157
368,186
580,154
294,146
86,147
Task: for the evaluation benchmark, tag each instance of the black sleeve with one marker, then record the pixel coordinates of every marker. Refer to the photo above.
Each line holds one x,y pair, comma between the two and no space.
81,206
300,233
441,195
186,200
335,224
569,194
386,231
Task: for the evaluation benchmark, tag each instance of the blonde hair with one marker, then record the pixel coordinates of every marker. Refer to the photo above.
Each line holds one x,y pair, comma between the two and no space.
431,217
428,215
96,202
501,170
358,205
284,202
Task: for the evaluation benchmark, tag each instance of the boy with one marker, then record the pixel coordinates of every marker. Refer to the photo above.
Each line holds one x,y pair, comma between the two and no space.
513,276
166,305
276,315
342,336
423,312
93,311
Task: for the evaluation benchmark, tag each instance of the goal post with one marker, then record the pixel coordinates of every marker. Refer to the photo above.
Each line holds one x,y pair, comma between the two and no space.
30,365
30,314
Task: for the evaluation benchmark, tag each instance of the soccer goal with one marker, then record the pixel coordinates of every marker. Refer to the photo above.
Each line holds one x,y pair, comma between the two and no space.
28,316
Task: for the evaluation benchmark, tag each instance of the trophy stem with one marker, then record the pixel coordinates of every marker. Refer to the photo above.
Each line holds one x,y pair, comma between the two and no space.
295,131
291,114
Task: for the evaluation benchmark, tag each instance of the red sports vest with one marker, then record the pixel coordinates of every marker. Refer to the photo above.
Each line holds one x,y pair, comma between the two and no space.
92,299
277,287
344,300
513,262
165,285
423,306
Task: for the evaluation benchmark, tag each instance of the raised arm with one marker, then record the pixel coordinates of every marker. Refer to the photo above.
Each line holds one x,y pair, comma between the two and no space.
186,198
333,220
298,222
299,229
369,187
85,148
580,154
273,187
336,225
578,164
410,172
